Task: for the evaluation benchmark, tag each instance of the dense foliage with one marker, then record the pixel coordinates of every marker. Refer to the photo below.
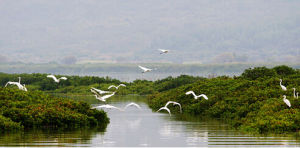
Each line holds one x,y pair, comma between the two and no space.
34,109
252,101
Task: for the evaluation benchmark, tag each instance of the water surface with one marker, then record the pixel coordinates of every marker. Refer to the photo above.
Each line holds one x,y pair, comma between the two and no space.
135,127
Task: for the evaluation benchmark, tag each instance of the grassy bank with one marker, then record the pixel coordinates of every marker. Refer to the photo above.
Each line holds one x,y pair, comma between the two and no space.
251,102
34,109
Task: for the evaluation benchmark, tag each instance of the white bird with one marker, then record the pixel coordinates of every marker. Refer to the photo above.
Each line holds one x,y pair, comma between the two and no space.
55,79
162,51
107,107
117,87
103,98
101,92
286,101
132,104
283,87
294,92
195,96
165,108
145,69
174,103
20,86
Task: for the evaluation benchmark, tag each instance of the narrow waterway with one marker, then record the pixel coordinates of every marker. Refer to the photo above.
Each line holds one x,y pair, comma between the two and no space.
135,127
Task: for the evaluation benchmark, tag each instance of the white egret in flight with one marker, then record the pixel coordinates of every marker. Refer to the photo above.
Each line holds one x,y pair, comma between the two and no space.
283,87
103,98
117,87
145,69
174,103
101,92
20,86
195,96
286,101
165,108
162,51
107,107
132,104
55,79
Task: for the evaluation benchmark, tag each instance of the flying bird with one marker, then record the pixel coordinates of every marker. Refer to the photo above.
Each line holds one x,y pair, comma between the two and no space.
174,103
101,92
103,98
195,96
20,86
165,108
145,69
283,87
132,104
117,87
55,79
162,51
286,101
107,107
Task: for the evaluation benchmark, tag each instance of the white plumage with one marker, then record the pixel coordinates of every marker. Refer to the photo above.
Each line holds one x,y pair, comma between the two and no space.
165,108
20,86
195,96
283,87
55,79
162,51
107,107
96,91
116,87
132,104
145,69
286,101
174,103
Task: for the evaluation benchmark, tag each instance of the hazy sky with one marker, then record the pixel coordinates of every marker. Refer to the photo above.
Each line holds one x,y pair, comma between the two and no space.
201,31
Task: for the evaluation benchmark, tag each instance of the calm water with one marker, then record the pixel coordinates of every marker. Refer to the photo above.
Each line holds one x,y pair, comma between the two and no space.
135,127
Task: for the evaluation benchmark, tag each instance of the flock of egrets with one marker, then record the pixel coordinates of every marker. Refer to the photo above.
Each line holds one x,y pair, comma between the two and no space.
102,95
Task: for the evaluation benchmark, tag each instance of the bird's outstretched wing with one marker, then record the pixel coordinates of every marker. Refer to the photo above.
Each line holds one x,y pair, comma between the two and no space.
144,68
204,96
132,104
111,86
53,77
164,108
63,78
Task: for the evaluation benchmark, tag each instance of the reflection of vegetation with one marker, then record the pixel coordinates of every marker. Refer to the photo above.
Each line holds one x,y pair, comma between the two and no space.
252,102
50,137
33,109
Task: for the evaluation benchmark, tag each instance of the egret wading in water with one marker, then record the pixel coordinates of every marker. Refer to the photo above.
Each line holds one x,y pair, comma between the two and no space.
107,107
101,92
162,51
55,79
195,96
286,101
132,104
116,87
282,87
145,69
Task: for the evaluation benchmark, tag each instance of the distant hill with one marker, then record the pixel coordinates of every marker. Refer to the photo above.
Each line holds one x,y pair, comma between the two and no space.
206,31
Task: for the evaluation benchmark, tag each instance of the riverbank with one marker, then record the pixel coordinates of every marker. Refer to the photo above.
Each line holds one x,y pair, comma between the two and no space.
252,102
24,110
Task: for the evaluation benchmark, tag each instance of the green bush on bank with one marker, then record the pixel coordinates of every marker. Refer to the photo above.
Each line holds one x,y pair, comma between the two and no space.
34,109
252,102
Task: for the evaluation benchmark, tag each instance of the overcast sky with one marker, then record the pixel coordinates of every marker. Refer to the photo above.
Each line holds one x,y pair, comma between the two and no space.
202,31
